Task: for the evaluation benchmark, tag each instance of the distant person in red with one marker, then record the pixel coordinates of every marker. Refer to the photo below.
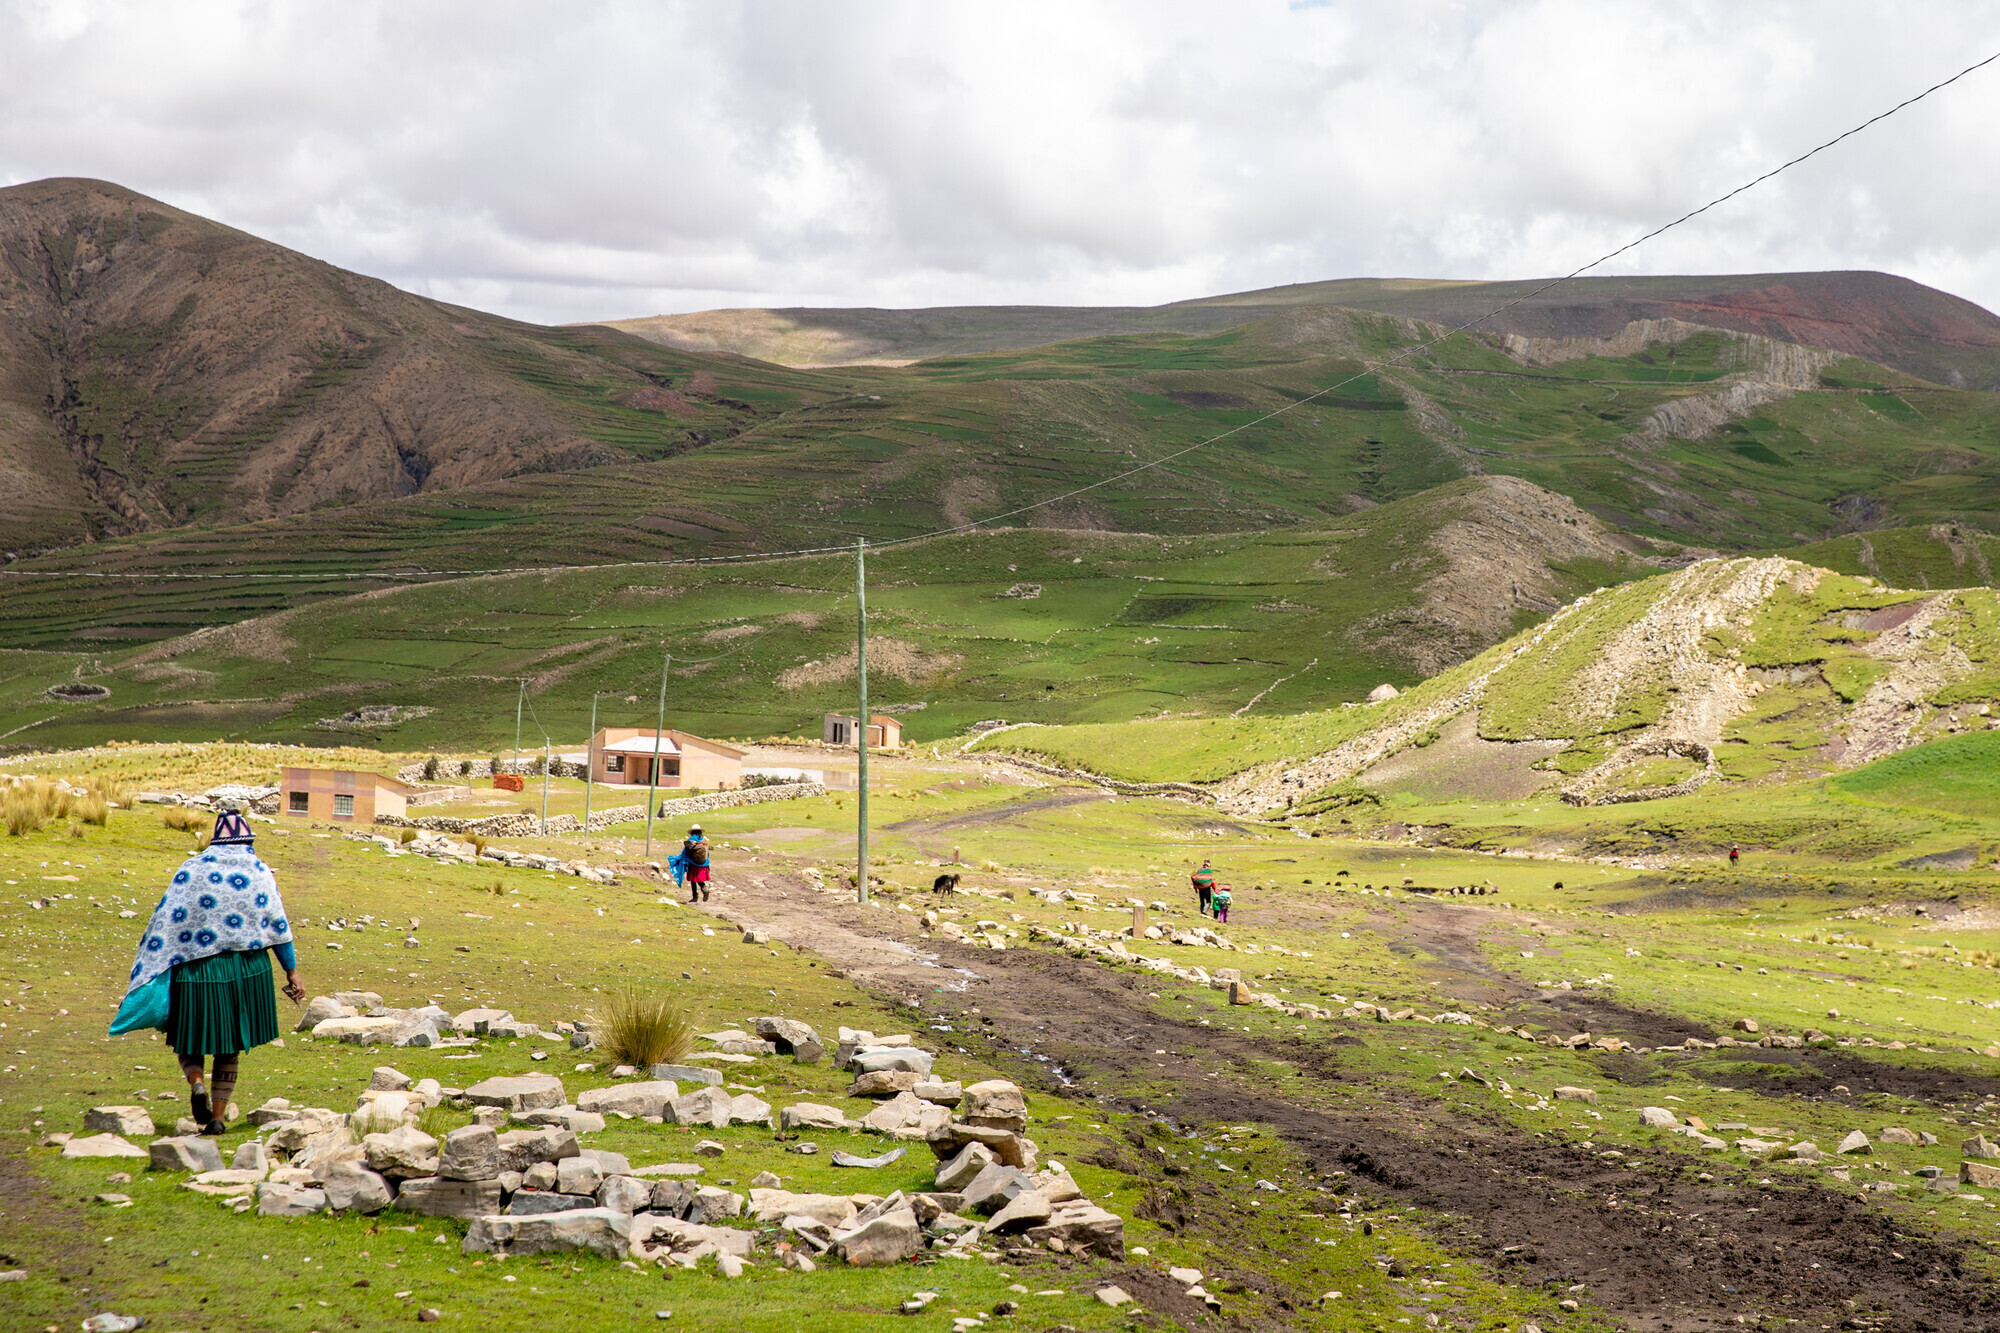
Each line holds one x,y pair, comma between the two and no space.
1732,858
1204,886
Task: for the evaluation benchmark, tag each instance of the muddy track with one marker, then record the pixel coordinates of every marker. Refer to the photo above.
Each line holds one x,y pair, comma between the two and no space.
1653,1244
998,814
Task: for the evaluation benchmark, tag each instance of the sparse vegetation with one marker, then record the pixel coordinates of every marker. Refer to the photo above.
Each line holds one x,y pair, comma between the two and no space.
643,1028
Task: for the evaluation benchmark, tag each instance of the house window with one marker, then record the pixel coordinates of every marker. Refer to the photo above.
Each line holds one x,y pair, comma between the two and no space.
671,766
343,807
299,801
614,763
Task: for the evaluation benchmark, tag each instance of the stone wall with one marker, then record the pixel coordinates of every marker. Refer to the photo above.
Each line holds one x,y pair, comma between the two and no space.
723,800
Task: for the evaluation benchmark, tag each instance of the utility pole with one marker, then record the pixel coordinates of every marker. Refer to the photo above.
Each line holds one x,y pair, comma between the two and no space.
546,758
861,722
519,696
589,762
660,725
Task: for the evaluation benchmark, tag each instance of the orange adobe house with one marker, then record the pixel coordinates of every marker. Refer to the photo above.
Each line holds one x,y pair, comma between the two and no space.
625,756
340,795
884,732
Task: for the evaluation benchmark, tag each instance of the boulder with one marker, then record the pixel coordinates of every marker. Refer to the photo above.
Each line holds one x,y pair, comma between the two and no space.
625,1194
793,1038
1805,1151
994,1188
774,1206
533,1203
708,1106
404,1153
884,1083
995,1103
1855,1142
1005,1145
938,1092
185,1153
561,1117
538,1176
521,1149
872,1059
1979,1146
579,1175
470,1153
745,1109
689,1074
250,1156
608,1163
362,1001
669,1239
640,1099
321,1008
133,1120
388,1079
712,1202
102,1145
525,1092
958,1171
475,1022
673,1196
289,1201
382,1113
352,1187
357,1031
888,1239
1055,1184
435,1196
1083,1226
1897,1134
1576,1095
1979,1174
602,1231
810,1115
1659,1117
1026,1209
906,1111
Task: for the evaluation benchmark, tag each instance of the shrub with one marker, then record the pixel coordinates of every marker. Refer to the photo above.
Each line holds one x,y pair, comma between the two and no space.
431,769
643,1030
465,768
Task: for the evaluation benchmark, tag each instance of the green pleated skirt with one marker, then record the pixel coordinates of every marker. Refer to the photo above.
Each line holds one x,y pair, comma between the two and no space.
222,1004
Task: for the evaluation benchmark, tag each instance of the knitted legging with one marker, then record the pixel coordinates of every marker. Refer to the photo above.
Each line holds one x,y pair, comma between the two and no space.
221,1083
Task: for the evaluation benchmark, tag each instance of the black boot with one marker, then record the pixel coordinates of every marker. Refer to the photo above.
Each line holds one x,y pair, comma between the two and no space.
198,1102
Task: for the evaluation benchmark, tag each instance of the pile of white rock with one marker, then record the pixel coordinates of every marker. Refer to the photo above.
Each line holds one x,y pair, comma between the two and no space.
442,847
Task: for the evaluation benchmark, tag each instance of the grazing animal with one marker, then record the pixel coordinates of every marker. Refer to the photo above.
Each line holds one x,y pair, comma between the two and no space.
945,884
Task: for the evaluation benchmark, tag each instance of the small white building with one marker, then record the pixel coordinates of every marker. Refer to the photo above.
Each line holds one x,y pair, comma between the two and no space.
884,732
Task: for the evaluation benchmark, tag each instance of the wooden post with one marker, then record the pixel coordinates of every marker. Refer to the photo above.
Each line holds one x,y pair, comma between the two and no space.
861,722
659,725
1138,920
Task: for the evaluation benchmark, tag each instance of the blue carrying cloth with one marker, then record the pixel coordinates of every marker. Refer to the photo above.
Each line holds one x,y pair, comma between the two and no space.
678,863
222,900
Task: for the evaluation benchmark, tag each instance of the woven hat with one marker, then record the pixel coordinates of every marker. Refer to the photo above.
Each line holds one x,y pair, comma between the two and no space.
231,830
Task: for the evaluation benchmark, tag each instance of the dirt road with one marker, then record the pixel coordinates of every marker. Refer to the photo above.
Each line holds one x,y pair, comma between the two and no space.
1646,1236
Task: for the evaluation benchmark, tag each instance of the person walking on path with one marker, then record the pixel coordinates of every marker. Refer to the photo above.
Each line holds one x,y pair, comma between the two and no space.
1221,901
1204,885
692,863
1732,858
203,973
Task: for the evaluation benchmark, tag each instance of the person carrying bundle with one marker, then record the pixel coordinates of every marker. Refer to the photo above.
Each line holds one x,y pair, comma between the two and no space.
203,973
1204,885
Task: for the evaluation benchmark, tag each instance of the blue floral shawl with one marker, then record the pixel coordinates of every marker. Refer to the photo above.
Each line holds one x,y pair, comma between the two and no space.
222,900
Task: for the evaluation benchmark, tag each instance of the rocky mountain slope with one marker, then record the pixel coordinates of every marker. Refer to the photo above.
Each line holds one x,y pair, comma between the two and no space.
158,369
1729,671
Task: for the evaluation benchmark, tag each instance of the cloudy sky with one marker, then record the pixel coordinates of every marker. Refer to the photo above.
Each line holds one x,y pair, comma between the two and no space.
574,162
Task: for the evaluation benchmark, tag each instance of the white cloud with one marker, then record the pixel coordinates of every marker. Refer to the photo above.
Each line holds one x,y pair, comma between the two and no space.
607,160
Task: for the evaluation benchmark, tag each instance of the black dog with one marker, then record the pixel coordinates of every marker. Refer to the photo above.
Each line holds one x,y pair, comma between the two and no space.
945,884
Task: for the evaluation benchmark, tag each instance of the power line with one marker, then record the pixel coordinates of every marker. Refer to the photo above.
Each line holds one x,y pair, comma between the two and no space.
1217,438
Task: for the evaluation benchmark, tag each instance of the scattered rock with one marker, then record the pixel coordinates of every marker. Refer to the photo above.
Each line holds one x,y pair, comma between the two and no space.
810,1115
1899,1135
1576,1095
602,1231
435,1196
1976,1146
133,1120
1659,1117
887,1239
352,1187
1117,1296
1855,1142
868,1163
639,1099
102,1145
526,1092
184,1154
1745,1025
470,1153
625,1194
404,1153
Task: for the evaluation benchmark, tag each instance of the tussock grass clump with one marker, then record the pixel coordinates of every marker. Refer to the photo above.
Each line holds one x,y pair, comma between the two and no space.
183,818
28,803
406,836
642,1029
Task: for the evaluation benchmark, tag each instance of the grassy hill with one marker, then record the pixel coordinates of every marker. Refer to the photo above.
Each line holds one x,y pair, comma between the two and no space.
1066,626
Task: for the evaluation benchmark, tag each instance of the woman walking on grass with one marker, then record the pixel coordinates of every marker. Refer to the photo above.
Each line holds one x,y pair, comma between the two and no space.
202,974
1220,900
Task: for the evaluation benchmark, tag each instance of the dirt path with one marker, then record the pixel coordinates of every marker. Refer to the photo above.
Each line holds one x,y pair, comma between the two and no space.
1649,1240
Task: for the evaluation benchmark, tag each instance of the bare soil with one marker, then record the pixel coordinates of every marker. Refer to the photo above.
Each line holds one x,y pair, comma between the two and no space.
1650,1241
